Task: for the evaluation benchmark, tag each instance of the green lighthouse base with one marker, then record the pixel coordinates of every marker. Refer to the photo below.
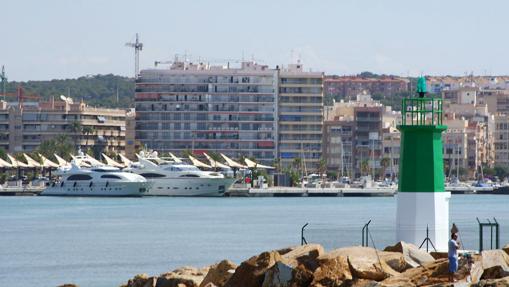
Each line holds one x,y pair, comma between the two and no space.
422,202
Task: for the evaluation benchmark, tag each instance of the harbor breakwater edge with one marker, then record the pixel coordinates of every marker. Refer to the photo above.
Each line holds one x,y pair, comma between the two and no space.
310,265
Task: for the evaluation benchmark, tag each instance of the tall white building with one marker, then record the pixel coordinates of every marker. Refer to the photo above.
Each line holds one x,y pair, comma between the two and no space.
250,110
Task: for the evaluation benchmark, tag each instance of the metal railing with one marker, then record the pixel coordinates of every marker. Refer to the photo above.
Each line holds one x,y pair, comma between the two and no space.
491,225
422,111
365,234
302,238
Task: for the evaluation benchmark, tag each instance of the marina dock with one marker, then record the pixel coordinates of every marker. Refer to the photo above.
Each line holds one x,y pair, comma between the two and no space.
310,192
21,191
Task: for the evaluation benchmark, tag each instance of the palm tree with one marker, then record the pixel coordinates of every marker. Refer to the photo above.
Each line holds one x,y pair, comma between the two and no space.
322,169
364,167
87,131
384,162
297,163
76,128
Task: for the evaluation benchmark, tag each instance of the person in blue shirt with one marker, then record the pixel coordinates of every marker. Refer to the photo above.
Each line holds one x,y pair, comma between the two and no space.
453,256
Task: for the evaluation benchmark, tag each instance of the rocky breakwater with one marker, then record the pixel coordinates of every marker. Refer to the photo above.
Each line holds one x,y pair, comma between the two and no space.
309,265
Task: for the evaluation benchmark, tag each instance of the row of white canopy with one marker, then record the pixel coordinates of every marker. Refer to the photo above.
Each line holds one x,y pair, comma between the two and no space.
229,163
87,161
30,162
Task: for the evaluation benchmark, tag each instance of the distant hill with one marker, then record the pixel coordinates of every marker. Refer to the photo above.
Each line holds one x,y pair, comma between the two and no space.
97,90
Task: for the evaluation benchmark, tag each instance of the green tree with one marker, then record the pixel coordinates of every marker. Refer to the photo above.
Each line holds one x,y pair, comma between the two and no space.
97,90
60,145
215,156
3,154
87,131
77,129
384,163
322,169
364,167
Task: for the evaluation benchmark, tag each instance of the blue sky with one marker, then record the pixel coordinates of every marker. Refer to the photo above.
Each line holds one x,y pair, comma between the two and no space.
66,39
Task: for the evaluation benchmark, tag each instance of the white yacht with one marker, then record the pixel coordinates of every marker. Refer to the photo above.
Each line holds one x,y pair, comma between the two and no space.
169,178
97,181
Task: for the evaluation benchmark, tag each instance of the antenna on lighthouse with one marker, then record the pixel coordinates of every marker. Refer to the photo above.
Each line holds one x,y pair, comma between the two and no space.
138,46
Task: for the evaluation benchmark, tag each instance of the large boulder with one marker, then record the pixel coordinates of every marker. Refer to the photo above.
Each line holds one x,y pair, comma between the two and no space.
141,280
219,273
278,275
397,281
251,273
364,262
414,256
332,272
495,264
506,248
184,276
305,254
295,268
501,282
434,273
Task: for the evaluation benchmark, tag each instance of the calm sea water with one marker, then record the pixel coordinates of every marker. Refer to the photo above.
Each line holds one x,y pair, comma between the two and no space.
47,241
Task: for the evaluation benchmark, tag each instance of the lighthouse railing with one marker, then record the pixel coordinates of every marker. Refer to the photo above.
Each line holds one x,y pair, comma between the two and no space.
421,111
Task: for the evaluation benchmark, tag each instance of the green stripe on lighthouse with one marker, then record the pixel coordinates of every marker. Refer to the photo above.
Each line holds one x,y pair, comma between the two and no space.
421,167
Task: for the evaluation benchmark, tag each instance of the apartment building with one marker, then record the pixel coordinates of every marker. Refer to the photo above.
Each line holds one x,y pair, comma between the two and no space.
24,126
368,133
390,150
300,121
350,86
366,117
501,139
250,110
455,145
338,149
203,108
479,129
463,95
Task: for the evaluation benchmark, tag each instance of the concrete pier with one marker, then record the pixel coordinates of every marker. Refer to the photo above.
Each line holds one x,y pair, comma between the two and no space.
310,192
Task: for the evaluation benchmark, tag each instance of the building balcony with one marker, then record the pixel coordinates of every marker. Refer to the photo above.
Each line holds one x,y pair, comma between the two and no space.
318,141
301,95
300,104
300,123
300,113
315,132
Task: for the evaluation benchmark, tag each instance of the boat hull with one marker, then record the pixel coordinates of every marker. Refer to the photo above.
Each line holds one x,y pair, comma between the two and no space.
185,187
112,189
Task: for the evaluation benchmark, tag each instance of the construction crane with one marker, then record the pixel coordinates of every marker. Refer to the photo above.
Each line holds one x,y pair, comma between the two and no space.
21,95
4,81
138,46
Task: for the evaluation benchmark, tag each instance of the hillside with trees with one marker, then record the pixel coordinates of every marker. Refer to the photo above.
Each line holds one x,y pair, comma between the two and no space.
96,90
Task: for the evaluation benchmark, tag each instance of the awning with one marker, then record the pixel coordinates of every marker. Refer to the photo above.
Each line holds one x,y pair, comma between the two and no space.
111,162
61,161
127,162
252,164
16,163
3,163
47,163
214,163
232,163
93,161
31,162
175,159
198,163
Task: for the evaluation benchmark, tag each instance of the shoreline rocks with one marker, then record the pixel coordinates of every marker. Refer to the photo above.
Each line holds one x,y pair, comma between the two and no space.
310,265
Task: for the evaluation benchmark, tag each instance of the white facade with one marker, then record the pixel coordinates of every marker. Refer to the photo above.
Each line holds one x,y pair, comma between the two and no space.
418,211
